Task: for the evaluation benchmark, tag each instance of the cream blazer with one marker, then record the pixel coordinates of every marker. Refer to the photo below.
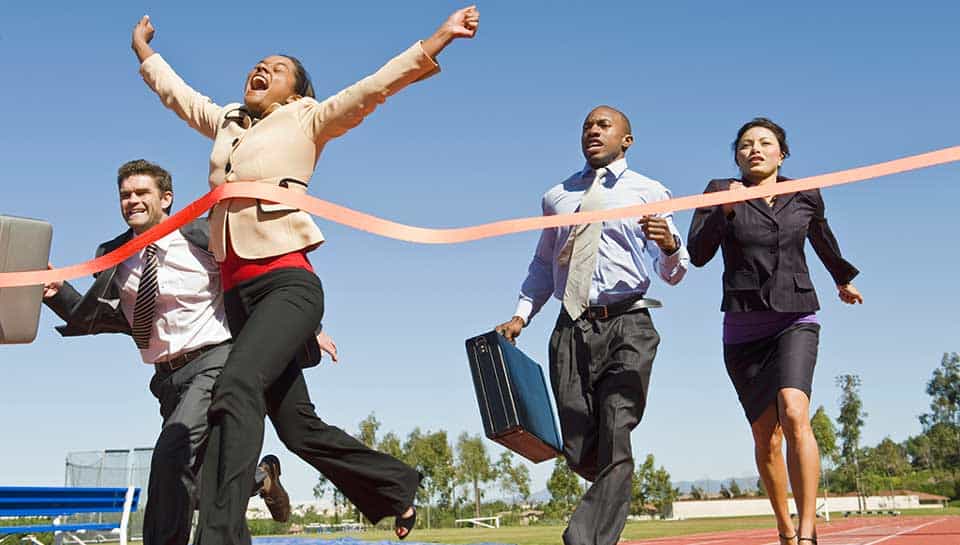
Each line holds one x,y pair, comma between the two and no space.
285,144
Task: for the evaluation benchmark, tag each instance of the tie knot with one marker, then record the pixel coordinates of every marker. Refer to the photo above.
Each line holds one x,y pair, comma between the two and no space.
599,174
150,251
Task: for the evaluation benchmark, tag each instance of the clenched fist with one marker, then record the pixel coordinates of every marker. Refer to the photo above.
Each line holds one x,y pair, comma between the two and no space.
656,229
142,35
462,24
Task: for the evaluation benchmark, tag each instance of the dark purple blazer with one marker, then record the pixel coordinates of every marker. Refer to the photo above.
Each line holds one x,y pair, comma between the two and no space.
765,267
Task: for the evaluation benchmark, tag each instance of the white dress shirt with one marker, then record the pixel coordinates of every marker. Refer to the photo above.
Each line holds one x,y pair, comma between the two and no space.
620,270
190,311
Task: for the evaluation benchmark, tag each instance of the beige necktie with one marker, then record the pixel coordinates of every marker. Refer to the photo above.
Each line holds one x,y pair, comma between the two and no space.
583,257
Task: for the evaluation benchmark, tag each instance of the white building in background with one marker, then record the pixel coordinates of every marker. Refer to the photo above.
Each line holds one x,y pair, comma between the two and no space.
257,509
745,507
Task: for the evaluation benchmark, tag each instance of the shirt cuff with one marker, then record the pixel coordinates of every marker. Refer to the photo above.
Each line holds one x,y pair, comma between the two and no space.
524,309
671,261
434,66
149,62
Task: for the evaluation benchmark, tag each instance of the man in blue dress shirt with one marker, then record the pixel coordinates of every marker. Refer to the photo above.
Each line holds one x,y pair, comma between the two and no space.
603,345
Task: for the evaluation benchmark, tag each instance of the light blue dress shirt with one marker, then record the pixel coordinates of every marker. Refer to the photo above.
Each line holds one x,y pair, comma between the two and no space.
620,271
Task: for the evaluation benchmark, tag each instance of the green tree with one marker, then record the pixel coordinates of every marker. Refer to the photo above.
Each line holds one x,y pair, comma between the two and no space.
368,430
944,392
652,487
390,444
431,455
563,485
889,458
735,489
320,489
920,451
697,493
514,477
826,436
851,424
640,487
474,466
725,492
761,491
661,491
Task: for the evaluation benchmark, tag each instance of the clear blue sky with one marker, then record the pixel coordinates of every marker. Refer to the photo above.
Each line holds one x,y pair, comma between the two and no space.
853,83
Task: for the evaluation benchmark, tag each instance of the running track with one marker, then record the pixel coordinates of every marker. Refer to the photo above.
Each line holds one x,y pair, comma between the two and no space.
865,531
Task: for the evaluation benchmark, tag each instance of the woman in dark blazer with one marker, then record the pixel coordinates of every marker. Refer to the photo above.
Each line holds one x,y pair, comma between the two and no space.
770,329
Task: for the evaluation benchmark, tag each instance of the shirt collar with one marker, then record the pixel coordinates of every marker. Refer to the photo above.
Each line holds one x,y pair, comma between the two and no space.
617,168
163,244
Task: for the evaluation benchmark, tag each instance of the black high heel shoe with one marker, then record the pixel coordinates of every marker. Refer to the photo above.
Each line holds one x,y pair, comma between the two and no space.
405,523
812,540
788,539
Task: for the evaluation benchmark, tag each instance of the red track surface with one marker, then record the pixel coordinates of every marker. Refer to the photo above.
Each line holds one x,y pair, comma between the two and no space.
858,531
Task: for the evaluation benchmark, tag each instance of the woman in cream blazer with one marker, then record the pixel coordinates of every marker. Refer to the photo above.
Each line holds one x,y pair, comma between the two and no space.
273,299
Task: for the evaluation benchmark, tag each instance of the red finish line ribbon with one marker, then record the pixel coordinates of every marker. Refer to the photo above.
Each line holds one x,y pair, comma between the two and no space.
423,235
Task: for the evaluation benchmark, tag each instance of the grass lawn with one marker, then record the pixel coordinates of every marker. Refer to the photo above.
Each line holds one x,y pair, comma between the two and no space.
550,535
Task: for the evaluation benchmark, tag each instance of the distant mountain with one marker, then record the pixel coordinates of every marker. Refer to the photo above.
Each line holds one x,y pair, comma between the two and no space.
712,486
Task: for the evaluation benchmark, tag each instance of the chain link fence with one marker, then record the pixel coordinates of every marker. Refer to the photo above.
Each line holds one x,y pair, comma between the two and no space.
111,468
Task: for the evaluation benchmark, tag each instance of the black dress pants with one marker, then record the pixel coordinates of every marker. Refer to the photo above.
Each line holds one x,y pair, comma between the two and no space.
600,371
270,316
173,489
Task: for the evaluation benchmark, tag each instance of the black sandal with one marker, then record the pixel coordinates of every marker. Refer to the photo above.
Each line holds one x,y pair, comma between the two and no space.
810,539
787,538
405,523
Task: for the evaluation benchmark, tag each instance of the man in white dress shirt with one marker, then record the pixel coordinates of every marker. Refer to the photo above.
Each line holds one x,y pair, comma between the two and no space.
168,298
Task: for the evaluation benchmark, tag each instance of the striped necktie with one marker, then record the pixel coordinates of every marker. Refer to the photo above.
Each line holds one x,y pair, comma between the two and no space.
145,308
583,256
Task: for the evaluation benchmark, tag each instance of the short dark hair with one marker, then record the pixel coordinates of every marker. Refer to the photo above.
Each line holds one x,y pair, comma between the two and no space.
623,116
777,131
302,84
141,166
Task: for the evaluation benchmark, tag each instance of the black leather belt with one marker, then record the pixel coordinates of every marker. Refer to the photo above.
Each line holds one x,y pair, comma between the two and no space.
180,360
602,312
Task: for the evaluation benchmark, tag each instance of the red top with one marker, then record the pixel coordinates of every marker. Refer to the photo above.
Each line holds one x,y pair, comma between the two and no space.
235,269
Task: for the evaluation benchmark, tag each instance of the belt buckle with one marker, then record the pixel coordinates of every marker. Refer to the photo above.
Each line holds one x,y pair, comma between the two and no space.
598,312
173,364
179,361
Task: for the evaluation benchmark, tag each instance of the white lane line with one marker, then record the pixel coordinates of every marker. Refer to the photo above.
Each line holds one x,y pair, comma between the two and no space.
882,539
839,534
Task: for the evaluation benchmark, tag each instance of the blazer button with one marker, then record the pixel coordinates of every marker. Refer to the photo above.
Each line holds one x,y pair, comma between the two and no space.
227,168
773,250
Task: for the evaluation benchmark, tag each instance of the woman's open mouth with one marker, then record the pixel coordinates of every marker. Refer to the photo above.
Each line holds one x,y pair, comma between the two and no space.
259,83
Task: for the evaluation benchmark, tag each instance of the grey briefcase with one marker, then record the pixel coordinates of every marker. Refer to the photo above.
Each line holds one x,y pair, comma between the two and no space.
24,246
